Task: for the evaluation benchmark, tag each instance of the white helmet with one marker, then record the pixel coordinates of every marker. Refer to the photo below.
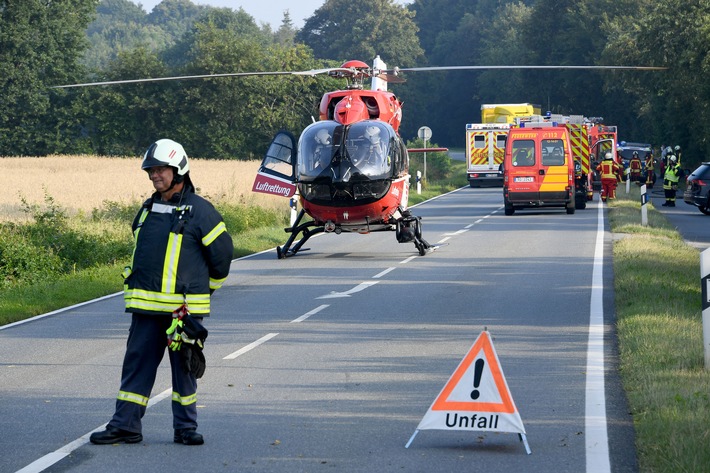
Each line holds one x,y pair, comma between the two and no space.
322,137
673,158
166,153
372,133
607,156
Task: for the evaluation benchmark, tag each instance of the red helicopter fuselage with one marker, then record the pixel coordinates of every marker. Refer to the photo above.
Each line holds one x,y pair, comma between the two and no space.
350,169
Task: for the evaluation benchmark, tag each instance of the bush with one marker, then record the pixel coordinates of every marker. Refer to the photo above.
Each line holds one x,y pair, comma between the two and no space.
22,261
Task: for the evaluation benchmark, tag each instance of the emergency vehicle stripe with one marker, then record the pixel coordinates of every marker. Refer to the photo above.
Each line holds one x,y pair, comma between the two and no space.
479,155
555,182
579,137
172,256
185,400
212,236
133,397
162,302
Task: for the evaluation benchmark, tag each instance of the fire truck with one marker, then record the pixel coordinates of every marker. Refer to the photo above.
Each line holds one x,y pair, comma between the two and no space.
485,141
603,139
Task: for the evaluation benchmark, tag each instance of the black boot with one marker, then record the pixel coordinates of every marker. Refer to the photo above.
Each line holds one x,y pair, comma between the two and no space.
188,437
114,435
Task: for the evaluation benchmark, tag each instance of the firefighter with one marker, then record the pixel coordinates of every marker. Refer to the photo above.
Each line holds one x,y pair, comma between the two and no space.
635,168
650,172
610,173
670,180
182,254
676,152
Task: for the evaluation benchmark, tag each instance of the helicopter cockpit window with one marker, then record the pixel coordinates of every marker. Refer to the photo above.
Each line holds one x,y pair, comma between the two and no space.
279,155
369,146
317,147
361,151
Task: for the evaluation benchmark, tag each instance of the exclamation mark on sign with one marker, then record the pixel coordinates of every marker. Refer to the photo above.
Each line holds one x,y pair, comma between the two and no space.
477,372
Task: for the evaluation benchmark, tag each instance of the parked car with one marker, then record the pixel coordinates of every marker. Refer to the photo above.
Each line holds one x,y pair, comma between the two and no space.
626,150
697,191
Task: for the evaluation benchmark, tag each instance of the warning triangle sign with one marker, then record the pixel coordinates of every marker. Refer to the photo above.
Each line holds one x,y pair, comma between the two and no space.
476,396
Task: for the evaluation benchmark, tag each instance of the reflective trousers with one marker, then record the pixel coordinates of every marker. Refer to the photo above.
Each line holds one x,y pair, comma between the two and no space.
608,188
146,345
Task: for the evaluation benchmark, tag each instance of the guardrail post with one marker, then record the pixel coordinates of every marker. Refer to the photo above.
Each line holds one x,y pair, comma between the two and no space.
644,210
705,291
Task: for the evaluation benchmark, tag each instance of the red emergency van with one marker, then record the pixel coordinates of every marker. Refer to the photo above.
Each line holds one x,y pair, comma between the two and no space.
538,169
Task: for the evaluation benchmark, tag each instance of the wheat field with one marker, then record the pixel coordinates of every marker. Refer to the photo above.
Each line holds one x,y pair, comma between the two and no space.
83,183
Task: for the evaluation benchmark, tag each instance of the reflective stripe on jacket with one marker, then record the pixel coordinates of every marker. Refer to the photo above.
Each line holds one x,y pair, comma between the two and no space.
182,252
608,168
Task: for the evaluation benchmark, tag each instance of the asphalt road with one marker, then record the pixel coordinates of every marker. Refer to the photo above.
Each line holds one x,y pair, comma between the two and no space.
693,225
327,361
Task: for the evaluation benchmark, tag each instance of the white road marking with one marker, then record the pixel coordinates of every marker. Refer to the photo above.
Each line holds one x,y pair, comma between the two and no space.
597,441
386,271
250,347
308,314
358,288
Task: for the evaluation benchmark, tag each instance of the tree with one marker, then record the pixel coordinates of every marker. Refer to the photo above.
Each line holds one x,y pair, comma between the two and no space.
237,117
40,46
674,33
343,30
286,33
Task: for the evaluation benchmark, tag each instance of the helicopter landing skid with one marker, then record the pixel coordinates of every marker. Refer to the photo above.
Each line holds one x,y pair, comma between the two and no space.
305,228
409,228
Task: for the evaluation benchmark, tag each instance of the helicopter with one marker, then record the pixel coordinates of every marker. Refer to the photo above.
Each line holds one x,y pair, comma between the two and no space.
350,169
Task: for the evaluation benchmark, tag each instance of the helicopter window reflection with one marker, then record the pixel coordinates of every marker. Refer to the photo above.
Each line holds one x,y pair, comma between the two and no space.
279,155
361,151
316,148
369,149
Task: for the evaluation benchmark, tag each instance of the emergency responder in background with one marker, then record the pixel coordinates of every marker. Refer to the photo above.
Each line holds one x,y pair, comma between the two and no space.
635,168
182,254
609,171
650,170
676,152
670,180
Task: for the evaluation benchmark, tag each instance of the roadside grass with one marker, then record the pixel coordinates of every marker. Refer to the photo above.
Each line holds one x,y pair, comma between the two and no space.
658,310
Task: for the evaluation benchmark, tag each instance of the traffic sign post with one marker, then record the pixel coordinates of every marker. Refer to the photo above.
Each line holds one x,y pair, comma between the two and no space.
424,133
705,291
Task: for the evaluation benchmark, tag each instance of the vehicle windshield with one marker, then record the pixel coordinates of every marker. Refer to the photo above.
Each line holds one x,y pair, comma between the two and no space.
523,153
361,151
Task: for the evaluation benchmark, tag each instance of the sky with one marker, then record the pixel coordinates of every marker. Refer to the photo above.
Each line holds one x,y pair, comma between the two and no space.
263,11
266,11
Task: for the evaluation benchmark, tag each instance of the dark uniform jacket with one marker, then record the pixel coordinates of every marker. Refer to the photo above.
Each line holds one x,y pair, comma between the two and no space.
182,254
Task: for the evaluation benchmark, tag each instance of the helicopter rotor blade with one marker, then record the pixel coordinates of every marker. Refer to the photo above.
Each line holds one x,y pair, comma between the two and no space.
397,70
311,73
389,75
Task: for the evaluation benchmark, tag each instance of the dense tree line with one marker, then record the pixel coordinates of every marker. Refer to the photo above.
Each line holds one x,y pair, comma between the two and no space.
43,44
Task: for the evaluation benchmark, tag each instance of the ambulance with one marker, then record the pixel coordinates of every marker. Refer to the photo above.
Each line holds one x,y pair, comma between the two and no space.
538,167
485,145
